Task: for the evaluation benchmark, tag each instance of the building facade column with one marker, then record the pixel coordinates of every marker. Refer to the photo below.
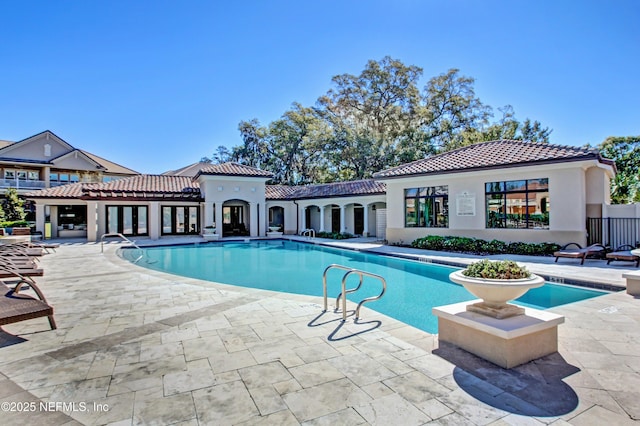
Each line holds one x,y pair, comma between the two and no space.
322,215
46,171
209,213
365,231
92,221
343,224
217,208
154,221
253,220
303,219
40,218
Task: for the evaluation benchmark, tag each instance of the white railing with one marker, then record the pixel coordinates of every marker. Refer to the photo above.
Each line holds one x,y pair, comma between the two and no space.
343,294
117,234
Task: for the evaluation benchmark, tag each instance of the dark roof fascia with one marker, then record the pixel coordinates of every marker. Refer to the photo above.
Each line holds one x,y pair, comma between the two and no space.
145,199
57,197
19,160
596,157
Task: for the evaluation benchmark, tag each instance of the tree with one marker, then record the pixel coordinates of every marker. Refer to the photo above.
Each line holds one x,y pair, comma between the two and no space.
13,206
451,109
625,187
508,127
298,140
372,121
255,150
368,114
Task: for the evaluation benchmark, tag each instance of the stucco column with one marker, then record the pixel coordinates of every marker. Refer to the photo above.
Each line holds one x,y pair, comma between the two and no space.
154,220
46,170
92,221
343,225
365,231
322,214
303,219
208,215
253,219
40,218
218,216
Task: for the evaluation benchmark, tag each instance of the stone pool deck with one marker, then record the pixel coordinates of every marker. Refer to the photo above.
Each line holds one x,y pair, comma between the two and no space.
135,346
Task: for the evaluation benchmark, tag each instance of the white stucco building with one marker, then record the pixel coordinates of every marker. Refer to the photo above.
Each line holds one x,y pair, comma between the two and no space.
506,190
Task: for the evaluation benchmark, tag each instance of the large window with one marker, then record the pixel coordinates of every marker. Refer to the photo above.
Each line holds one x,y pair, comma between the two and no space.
127,220
520,204
180,220
426,207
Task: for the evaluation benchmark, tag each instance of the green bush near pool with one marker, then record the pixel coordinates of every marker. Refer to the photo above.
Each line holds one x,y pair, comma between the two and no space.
479,246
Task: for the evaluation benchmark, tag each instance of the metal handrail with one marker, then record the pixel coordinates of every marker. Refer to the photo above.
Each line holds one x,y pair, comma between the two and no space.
344,292
117,234
310,232
324,281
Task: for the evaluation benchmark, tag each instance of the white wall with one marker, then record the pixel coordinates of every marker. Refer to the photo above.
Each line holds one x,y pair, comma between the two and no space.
567,204
220,189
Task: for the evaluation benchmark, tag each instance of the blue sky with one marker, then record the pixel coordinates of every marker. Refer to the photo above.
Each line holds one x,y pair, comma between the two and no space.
156,85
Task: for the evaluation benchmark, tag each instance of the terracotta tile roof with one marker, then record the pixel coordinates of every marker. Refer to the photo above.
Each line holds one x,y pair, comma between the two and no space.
139,186
279,192
71,190
339,189
233,169
147,186
494,154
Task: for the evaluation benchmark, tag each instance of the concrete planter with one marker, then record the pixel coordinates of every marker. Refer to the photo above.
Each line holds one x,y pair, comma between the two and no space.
496,293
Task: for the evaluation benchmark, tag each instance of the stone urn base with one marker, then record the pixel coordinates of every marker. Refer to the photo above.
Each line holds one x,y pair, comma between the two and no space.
500,312
496,293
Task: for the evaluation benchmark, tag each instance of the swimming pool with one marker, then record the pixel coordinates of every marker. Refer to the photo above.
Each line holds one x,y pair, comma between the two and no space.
413,288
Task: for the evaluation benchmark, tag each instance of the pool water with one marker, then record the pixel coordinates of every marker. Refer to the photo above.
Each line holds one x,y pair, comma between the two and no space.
413,288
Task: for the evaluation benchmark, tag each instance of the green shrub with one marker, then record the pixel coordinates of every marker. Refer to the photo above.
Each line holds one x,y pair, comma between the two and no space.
479,246
500,270
13,223
334,235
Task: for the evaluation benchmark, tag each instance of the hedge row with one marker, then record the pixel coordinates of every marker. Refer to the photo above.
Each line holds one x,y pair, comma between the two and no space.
479,246
334,235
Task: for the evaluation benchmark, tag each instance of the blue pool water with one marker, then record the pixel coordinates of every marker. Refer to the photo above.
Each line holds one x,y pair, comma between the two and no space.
413,288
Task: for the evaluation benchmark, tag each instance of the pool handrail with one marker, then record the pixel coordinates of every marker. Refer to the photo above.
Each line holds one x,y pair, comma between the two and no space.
117,234
309,232
324,282
344,292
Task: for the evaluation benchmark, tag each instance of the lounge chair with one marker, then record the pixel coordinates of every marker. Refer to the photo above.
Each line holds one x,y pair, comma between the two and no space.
594,250
623,254
16,307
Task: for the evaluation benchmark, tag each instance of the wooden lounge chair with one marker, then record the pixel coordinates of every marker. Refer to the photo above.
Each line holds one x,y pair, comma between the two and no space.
16,307
623,254
594,250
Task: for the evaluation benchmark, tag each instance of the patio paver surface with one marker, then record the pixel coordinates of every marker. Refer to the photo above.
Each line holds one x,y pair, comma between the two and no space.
136,346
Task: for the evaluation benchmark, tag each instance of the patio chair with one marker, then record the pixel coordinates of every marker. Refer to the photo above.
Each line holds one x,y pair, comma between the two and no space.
16,307
594,250
623,254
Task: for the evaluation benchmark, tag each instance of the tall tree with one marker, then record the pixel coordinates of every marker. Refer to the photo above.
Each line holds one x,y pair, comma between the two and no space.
451,108
255,150
508,127
368,113
298,142
625,187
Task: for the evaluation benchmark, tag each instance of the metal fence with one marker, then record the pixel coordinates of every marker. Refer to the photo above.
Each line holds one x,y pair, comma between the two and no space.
613,231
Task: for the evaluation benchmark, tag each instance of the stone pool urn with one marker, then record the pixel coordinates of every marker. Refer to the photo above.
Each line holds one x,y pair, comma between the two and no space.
496,283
